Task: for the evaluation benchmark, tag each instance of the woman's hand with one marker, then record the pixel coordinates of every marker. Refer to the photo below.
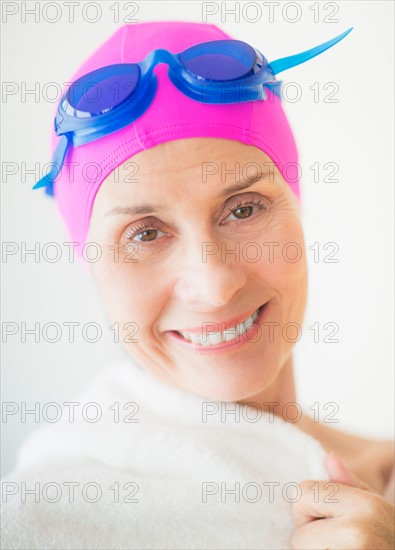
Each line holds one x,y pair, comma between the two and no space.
343,513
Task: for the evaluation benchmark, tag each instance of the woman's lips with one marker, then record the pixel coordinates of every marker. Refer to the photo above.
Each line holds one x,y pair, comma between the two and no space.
225,325
238,341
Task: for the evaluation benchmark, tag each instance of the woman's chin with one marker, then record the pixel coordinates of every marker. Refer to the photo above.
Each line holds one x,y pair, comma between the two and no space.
231,384
223,377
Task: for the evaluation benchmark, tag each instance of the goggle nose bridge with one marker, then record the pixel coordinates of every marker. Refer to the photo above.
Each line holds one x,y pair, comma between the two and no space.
156,57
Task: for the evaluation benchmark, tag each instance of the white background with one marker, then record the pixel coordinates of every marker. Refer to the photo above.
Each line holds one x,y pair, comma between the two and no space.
356,212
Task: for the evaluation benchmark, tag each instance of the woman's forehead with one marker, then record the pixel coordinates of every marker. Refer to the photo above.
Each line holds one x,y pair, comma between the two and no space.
211,158
159,174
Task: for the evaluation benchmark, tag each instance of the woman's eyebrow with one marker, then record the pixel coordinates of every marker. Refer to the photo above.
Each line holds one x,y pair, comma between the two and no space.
150,208
132,210
248,182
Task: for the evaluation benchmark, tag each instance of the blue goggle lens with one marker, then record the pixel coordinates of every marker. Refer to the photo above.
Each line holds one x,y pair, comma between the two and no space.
99,91
220,60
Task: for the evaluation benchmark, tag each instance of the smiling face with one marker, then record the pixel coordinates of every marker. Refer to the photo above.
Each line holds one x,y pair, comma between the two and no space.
202,258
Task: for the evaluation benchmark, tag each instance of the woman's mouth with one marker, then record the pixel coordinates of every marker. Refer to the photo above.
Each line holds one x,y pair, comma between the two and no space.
208,340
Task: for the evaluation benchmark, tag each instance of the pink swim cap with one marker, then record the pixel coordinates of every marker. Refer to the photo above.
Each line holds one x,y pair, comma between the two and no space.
171,116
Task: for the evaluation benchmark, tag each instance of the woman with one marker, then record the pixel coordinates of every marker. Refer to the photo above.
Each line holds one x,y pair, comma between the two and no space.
178,202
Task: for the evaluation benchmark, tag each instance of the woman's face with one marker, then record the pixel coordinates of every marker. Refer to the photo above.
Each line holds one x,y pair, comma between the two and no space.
202,253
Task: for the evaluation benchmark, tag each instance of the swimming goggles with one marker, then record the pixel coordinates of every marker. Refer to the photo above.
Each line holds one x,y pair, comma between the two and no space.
112,97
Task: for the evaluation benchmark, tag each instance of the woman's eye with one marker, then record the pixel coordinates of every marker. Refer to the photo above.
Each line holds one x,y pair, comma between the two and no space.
143,234
245,210
147,235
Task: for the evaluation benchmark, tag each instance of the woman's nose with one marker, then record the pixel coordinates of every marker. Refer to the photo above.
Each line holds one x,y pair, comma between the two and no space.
209,279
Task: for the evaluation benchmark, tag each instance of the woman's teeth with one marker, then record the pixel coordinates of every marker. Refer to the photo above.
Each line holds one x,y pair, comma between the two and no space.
214,338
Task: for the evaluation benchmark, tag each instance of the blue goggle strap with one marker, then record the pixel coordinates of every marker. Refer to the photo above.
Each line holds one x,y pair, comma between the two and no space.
57,162
291,61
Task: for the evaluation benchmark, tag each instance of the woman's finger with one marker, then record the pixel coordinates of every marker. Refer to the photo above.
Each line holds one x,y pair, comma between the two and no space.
341,474
322,534
327,499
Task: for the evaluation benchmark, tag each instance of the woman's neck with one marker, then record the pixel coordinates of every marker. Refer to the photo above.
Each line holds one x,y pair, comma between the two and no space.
277,398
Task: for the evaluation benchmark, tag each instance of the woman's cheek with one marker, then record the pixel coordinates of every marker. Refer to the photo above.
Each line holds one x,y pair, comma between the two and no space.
283,254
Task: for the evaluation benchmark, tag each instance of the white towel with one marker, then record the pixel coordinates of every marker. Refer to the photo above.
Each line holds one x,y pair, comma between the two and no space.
188,474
